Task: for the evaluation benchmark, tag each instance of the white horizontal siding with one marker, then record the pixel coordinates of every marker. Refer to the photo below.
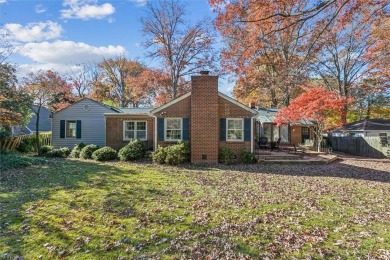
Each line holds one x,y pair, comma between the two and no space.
93,125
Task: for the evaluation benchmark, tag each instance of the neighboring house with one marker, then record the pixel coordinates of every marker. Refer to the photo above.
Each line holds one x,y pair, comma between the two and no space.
81,122
44,122
204,117
365,128
293,133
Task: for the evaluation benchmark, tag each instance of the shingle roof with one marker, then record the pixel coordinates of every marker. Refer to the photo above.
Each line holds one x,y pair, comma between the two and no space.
267,115
136,111
44,121
368,124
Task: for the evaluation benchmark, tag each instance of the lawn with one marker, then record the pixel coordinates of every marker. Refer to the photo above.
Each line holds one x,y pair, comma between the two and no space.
68,208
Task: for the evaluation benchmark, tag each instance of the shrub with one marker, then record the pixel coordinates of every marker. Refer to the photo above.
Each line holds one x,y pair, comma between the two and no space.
226,155
159,155
86,152
135,150
247,157
77,150
27,145
104,154
177,154
61,152
4,133
173,154
46,148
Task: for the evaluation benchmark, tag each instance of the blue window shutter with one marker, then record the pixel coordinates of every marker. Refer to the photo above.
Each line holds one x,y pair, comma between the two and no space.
160,129
222,127
186,129
247,129
62,128
78,129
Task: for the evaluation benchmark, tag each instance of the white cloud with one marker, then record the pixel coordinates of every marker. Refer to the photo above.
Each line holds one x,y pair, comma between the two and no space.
68,52
33,31
3,1
40,9
86,10
139,2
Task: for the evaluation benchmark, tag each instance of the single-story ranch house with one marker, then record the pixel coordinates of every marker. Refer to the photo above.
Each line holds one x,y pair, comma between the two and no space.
205,117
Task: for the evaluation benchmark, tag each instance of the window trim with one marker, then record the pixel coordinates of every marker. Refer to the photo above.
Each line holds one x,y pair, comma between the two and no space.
135,130
66,129
242,129
165,129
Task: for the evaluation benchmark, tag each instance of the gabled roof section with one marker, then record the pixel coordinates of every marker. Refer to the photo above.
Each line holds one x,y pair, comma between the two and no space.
114,109
237,103
368,124
137,110
170,103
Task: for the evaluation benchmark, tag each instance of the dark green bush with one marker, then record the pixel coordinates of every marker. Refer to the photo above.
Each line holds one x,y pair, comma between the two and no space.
4,133
104,154
86,152
135,150
247,157
27,145
159,155
177,154
226,155
173,154
14,160
46,148
77,150
61,152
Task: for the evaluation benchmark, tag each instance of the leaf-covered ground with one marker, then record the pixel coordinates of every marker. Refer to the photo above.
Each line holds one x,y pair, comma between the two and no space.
87,210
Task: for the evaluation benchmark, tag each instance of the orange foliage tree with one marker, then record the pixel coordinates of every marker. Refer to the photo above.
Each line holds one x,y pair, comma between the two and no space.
47,89
322,107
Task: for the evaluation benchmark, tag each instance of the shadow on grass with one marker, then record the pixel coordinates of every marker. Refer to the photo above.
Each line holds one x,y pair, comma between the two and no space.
337,169
22,190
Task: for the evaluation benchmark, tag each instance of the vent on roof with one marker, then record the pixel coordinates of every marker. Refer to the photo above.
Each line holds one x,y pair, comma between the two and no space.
204,72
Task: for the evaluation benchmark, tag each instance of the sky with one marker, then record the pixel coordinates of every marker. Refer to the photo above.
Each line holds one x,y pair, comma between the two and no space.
59,34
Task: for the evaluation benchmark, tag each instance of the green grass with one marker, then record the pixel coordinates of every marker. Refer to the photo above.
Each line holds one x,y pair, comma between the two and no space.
88,210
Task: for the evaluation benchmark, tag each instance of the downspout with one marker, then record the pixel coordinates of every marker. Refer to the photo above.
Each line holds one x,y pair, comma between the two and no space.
155,133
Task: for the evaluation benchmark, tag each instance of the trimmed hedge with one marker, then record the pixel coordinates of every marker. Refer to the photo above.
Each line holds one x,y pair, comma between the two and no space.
77,150
173,154
86,152
135,150
61,152
104,154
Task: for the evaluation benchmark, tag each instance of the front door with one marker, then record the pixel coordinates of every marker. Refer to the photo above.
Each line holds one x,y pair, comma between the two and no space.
305,134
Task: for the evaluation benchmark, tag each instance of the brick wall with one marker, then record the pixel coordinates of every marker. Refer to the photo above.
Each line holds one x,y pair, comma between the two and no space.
180,109
204,119
227,109
114,130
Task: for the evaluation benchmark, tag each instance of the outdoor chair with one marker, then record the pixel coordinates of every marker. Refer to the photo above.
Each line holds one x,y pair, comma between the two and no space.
262,143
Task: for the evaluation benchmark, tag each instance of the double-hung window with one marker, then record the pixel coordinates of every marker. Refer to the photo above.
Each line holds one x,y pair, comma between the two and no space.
71,129
133,130
235,129
173,129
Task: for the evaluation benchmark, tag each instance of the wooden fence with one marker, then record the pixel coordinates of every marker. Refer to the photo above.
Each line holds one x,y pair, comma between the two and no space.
11,143
375,147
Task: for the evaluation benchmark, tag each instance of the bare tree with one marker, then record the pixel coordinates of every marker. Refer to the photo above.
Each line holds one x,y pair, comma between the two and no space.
83,80
114,79
184,48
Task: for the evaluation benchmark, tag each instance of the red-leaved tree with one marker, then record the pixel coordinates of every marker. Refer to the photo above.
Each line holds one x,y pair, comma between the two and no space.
322,107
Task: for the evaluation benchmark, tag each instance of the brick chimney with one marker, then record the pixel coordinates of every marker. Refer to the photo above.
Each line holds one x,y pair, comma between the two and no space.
252,104
204,118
